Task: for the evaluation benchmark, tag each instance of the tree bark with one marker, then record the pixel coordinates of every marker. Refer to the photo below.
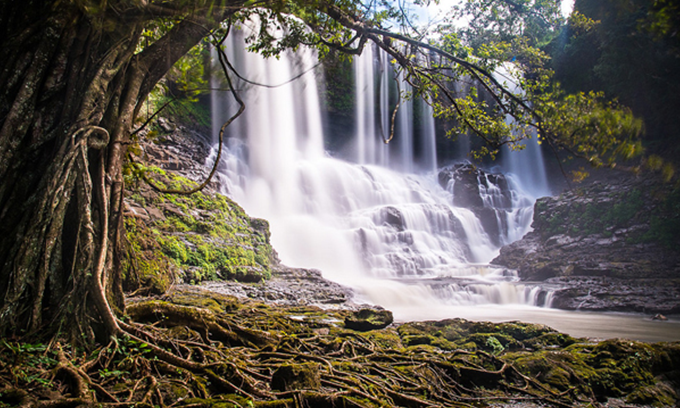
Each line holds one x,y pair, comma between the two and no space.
71,83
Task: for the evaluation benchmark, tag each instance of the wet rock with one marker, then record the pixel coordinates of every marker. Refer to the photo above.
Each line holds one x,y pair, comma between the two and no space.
166,125
486,194
463,181
614,294
290,287
593,244
393,217
369,319
473,187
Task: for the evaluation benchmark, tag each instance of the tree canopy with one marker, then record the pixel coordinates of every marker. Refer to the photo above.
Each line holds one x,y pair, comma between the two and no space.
629,50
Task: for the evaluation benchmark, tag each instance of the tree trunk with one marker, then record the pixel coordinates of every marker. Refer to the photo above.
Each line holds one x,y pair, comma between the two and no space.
70,86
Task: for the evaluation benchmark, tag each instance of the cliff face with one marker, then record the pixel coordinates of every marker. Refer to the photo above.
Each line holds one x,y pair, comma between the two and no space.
174,238
610,245
203,237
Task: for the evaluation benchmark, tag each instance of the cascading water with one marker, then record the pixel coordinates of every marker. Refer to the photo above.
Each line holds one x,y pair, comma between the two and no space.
527,164
428,161
398,238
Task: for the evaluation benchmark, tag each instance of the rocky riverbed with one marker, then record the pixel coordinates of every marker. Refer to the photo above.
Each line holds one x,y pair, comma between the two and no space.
290,287
607,246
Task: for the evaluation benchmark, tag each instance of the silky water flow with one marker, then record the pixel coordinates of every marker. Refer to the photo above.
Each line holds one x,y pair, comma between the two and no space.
378,220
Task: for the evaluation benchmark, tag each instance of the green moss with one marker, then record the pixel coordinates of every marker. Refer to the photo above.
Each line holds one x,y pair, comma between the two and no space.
385,339
655,395
215,302
470,345
548,340
289,377
493,342
145,265
414,340
185,110
558,369
207,236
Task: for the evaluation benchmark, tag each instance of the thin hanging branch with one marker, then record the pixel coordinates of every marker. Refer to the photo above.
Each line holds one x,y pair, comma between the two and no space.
394,115
248,81
224,62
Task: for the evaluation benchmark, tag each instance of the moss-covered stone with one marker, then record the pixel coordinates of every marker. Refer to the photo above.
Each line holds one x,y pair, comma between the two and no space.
659,395
369,319
145,265
385,339
493,342
550,340
289,377
197,237
414,340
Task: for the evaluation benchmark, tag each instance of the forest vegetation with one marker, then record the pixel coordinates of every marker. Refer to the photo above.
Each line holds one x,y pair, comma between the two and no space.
74,77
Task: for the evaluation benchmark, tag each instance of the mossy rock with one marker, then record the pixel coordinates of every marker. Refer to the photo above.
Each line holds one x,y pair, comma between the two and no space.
558,369
290,377
385,339
369,319
213,301
415,340
246,274
494,342
205,236
550,340
146,268
470,345
558,378
523,331
666,357
659,395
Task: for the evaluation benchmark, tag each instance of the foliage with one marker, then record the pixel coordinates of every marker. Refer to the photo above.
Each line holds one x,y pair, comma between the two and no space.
498,22
628,50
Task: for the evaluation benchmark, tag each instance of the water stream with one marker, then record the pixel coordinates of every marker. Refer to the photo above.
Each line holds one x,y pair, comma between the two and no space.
380,221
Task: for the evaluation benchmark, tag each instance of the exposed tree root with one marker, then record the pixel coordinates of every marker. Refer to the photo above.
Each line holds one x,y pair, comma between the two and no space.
179,355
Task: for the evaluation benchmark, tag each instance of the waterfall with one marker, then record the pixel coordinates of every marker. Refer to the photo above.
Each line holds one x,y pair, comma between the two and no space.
529,167
365,103
528,164
427,139
384,131
405,128
390,233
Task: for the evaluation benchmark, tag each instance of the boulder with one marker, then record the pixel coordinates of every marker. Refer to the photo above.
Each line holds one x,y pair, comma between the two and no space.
291,377
392,217
369,319
473,187
487,195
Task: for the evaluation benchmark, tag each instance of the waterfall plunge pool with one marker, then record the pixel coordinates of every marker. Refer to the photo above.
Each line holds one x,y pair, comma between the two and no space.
413,300
594,325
